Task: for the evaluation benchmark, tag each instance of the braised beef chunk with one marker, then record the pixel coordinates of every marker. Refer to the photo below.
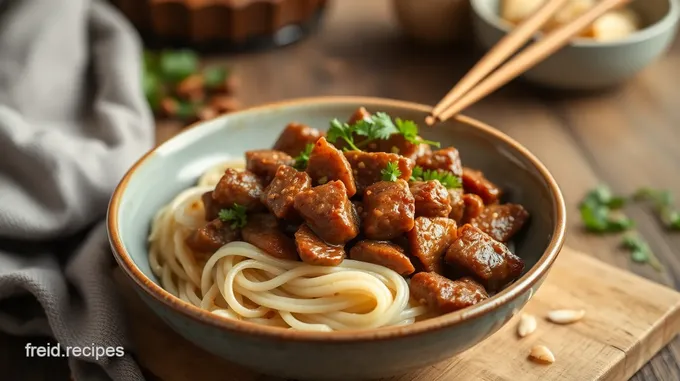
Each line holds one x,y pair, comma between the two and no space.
279,196
212,209
314,251
262,230
212,236
490,261
446,159
445,295
399,145
295,138
457,204
475,182
238,187
429,239
265,162
389,210
360,114
367,167
474,205
432,199
328,212
384,254
327,163
501,222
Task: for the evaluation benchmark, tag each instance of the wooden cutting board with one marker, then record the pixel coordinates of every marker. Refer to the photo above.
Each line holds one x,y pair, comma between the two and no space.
628,320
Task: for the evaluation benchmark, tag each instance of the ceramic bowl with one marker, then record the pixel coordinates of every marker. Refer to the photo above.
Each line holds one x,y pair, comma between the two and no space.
587,64
175,165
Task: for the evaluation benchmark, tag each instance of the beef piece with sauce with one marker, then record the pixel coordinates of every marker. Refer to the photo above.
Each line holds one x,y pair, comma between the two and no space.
501,222
446,159
262,230
212,236
327,163
238,187
265,162
457,204
475,182
399,145
382,253
488,260
328,212
389,210
295,138
432,199
429,239
211,208
314,251
367,167
279,196
474,206
444,295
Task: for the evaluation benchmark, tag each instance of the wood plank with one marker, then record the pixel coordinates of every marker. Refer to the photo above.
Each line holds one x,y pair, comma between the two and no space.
628,320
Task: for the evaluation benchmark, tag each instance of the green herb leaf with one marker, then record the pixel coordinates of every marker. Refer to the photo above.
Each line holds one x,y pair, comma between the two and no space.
342,131
177,65
214,77
303,158
153,89
446,178
662,202
409,129
185,110
391,172
640,251
236,215
602,195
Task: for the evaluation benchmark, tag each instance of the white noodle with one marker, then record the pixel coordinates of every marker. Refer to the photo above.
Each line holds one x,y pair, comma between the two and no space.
240,281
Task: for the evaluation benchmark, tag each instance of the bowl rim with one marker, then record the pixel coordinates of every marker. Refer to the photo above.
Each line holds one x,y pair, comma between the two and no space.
510,293
669,20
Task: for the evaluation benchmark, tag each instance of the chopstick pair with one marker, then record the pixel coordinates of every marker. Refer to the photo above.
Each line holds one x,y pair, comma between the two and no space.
480,81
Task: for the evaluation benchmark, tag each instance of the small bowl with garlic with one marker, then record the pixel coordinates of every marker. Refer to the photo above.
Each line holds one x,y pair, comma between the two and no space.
612,50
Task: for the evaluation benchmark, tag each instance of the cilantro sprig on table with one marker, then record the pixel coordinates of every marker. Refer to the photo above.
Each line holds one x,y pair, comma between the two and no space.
601,213
236,215
447,179
378,127
391,172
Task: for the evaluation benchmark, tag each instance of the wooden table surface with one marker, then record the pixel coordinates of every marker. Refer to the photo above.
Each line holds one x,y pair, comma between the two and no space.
626,137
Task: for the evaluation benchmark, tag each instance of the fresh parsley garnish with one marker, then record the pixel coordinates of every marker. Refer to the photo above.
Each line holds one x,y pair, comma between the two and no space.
662,202
599,212
409,129
378,127
303,158
344,131
446,178
391,172
640,251
236,215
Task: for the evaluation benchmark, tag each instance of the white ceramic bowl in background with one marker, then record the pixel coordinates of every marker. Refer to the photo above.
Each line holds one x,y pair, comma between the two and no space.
587,64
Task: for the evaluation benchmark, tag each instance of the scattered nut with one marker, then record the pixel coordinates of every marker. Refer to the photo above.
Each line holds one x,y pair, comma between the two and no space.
541,354
207,113
565,316
526,326
191,88
224,104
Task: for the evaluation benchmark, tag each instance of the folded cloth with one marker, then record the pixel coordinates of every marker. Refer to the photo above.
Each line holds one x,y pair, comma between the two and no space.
73,119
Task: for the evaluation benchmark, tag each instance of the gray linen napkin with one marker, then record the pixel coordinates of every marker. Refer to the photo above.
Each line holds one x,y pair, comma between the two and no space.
72,120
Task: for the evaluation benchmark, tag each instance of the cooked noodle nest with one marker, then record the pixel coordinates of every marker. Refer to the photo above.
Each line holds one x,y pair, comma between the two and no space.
242,282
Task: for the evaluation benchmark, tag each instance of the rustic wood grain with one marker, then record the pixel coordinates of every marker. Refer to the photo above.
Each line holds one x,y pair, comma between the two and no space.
628,319
626,137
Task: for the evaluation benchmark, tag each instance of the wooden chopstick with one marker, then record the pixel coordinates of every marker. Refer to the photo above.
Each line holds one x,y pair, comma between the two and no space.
498,54
525,60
